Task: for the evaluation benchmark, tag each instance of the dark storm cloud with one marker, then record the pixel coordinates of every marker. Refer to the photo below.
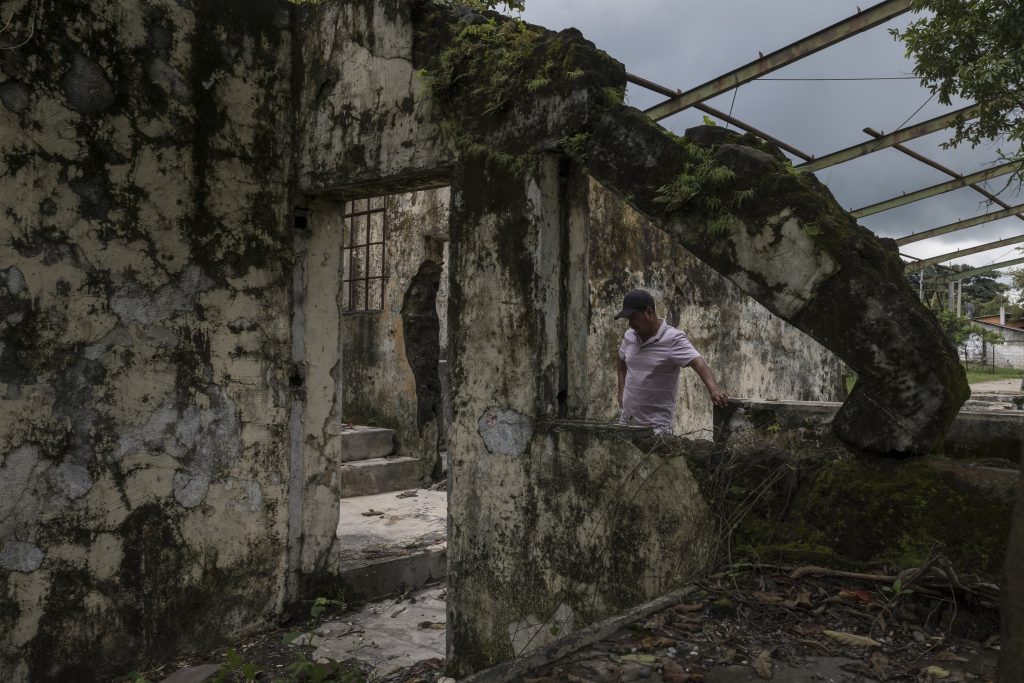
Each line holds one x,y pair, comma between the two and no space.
684,44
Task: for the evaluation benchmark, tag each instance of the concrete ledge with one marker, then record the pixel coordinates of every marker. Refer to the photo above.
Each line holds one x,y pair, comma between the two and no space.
973,435
375,579
378,475
365,443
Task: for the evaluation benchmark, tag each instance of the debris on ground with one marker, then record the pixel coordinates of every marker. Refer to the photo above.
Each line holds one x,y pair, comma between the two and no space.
764,622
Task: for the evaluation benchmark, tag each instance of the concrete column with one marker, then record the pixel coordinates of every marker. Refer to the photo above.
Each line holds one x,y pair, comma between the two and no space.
1002,314
951,298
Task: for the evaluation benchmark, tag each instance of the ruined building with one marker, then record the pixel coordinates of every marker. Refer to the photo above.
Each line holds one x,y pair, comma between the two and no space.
232,229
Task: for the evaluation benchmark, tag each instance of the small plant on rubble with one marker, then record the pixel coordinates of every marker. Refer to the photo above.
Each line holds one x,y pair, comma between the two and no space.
329,670
235,668
699,187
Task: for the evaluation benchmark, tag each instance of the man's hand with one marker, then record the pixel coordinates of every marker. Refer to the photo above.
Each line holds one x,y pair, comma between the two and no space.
719,397
703,370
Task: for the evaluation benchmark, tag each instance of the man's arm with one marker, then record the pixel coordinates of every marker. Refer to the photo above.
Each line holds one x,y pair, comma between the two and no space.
703,370
620,367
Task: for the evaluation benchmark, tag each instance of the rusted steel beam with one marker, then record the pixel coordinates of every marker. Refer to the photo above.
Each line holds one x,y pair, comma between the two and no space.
960,275
941,188
961,225
939,167
722,116
942,258
901,135
862,21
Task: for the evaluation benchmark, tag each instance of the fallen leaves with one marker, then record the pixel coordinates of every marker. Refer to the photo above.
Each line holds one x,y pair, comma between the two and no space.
762,665
934,672
850,639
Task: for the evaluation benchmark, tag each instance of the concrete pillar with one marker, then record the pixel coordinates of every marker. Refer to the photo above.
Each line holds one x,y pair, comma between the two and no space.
951,298
1002,314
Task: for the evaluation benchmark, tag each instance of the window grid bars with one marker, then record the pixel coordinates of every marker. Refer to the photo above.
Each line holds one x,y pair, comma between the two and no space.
349,220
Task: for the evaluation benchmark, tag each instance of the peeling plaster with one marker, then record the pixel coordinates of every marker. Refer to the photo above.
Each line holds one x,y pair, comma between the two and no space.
18,556
505,431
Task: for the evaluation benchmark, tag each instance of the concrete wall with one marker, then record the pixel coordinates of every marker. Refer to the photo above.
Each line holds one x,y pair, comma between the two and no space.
365,116
360,365
538,475
144,342
1009,354
552,524
753,353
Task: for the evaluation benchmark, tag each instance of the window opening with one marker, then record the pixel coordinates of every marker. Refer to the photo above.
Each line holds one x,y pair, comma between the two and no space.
364,232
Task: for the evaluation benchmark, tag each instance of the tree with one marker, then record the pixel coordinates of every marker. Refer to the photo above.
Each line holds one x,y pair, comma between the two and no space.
973,50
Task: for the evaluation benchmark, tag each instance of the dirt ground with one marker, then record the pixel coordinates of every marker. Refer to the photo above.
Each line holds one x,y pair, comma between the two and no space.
787,624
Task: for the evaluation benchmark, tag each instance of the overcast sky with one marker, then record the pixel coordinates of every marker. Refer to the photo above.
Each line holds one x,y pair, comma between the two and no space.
682,44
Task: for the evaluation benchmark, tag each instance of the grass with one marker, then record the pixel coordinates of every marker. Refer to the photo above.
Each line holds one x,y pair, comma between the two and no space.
976,374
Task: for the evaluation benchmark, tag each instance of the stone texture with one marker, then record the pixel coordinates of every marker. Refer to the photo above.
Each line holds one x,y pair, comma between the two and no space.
142,442
86,86
18,556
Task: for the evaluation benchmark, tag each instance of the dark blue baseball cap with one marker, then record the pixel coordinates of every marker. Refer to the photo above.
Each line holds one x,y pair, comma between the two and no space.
635,300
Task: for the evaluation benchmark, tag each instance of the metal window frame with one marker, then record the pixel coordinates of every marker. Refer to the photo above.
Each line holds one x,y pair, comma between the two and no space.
348,285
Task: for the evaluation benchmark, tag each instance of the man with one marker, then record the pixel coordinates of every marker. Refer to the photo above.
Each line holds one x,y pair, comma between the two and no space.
651,353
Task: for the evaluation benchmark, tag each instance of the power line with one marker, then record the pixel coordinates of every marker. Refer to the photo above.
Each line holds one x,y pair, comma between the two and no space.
848,78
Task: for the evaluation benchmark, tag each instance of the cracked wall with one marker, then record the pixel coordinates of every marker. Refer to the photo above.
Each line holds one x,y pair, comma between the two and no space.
144,344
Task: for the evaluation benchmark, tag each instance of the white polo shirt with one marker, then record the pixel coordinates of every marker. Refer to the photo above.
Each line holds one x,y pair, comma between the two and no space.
652,375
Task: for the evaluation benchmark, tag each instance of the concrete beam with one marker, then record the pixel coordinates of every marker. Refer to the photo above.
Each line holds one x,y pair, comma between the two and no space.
942,258
901,135
960,225
941,188
838,32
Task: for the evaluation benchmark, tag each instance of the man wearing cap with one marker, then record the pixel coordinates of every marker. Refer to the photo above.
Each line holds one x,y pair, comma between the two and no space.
651,353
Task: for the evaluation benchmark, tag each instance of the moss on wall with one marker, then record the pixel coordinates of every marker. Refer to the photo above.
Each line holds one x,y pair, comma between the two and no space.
143,272
862,512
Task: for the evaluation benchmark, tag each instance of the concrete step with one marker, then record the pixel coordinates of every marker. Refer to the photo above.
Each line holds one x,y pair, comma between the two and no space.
390,545
378,475
364,443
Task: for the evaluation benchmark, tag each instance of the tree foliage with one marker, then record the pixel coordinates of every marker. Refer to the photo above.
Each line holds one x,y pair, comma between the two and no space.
972,49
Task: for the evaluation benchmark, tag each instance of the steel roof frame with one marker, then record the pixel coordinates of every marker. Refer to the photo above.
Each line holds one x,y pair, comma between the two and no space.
942,258
941,188
960,225
836,33
960,275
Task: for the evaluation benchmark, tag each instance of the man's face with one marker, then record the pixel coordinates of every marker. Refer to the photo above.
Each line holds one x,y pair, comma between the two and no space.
645,323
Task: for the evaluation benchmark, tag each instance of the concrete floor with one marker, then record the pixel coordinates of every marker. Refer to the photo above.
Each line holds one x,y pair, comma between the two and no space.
997,387
385,522
389,634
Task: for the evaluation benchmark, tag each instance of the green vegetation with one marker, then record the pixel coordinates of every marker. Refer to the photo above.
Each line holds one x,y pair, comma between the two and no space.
971,50
702,183
976,374
861,512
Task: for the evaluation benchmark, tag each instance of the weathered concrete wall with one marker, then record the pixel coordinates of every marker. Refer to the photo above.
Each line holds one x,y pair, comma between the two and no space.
361,366
1009,354
754,353
366,119
551,527
144,253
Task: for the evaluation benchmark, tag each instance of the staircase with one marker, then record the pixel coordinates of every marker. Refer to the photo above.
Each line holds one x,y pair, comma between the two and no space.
391,534
368,465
